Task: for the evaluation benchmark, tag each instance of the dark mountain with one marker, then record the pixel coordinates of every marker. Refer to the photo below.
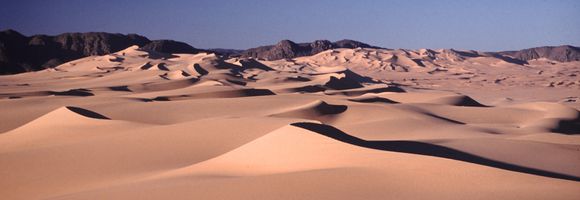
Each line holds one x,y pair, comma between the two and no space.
11,50
227,52
288,49
351,44
170,46
19,53
564,53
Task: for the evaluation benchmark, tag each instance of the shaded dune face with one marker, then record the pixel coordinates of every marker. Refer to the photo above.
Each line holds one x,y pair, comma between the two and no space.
86,113
217,94
372,99
317,110
425,149
341,124
568,126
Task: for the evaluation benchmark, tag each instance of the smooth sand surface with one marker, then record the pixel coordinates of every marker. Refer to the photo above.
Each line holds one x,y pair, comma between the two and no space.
342,124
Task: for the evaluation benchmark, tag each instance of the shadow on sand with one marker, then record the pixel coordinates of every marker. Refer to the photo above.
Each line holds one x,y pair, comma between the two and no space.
86,113
425,149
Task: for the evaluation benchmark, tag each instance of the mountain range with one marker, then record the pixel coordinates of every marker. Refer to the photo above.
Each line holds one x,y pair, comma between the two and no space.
19,53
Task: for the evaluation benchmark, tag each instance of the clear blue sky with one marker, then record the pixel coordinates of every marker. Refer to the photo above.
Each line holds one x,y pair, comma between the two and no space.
462,24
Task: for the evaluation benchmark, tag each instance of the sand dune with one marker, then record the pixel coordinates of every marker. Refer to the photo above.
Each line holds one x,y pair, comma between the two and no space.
296,162
341,124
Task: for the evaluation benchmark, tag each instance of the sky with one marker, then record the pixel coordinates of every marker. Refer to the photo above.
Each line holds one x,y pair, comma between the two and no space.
486,25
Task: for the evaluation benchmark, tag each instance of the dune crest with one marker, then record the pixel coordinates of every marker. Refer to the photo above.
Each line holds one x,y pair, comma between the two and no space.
354,122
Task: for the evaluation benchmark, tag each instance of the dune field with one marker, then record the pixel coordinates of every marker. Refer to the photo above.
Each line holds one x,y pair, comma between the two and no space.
342,124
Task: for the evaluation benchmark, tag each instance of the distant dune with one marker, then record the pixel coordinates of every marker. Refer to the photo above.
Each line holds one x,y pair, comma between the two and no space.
19,53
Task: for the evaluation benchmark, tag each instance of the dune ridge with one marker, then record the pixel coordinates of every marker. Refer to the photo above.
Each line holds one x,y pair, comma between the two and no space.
345,123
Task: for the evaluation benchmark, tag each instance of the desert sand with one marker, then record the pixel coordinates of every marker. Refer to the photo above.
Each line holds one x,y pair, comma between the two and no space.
341,124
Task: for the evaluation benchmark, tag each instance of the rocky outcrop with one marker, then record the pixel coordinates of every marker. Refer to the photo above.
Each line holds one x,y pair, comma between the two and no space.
287,49
227,52
170,46
564,53
12,50
19,53
95,43
351,44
